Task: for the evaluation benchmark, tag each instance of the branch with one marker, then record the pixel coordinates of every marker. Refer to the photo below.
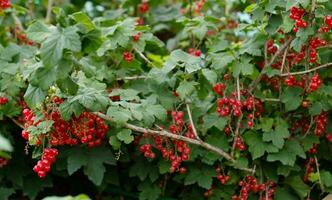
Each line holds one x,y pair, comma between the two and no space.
49,11
144,57
236,133
319,177
131,78
275,56
17,123
170,135
307,71
167,134
192,122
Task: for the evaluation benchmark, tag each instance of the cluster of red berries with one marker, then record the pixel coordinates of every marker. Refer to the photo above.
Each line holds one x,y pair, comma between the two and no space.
271,47
194,52
296,14
209,193
178,122
146,149
5,4
137,36
239,144
303,124
250,184
199,6
231,24
313,45
328,22
291,81
3,162
329,138
222,178
127,56
177,151
225,104
43,166
87,128
144,7
219,88
22,37
315,83
309,168
313,149
321,122
3,100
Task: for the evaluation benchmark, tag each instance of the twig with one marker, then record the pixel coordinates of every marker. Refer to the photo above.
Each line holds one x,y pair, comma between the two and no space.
18,22
306,71
131,78
318,173
238,88
49,11
272,99
17,123
284,60
191,121
275,56
236,133
144,57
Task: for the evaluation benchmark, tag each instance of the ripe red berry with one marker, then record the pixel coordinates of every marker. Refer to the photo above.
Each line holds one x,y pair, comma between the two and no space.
127,56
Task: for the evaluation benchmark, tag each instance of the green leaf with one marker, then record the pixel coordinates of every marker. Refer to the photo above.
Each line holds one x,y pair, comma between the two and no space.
210,75
118,114
69,108
185,89
215,120
115,143
34,96
278,135
283,194
243,67
149,191
52,47
92,160
292,98
297,184
220,60
5,144
308,141
156,110
125,136
39,32
190,62
257,147
195,175
79,197
326,178
288,154
6,192
83,19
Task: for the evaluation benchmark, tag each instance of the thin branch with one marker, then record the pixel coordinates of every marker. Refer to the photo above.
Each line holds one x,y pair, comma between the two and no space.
17,123
131,78
167,134
144,57
18,22
238,88
284,60
275,56
192,122
49,11
307,71
318,173
236,133
272,100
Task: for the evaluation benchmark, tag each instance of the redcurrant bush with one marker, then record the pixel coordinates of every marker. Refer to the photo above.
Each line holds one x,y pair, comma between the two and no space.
156,100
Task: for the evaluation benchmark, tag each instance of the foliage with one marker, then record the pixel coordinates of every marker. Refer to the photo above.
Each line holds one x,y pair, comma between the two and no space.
165,99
